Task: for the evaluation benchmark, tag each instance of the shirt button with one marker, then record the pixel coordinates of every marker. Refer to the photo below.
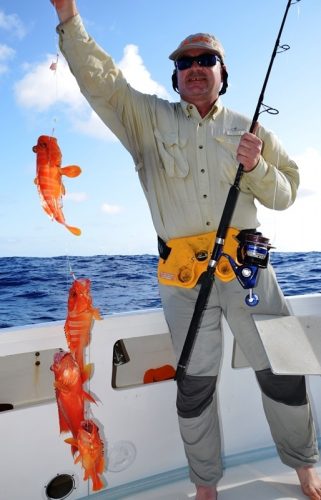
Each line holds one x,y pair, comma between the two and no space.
204,195
200,147
200,124
208,223
202,170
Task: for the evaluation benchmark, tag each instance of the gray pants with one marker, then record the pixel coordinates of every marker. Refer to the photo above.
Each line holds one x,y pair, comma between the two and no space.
285,402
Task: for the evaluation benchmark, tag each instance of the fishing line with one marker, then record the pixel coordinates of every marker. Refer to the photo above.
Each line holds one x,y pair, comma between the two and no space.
54,67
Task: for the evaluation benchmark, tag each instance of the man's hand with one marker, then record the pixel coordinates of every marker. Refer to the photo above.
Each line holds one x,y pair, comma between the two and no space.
66,9
249,150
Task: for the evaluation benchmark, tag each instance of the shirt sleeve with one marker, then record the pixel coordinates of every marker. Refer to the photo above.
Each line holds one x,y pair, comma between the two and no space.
123,109
275,180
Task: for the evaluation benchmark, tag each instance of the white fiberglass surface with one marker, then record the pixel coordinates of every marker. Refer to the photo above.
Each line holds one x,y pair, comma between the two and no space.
267,479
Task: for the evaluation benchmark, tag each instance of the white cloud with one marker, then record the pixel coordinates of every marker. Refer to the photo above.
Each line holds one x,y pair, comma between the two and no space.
13,24
111,209
298,228
132,65
6,53
76,197
41,89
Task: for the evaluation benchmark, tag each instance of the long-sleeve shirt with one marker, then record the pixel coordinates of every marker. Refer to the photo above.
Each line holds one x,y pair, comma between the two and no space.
186,163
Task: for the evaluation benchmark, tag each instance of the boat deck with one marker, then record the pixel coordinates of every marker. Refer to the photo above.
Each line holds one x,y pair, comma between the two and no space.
265,479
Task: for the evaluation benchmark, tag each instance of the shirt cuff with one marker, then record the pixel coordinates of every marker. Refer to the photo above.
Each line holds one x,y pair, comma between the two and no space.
73,28
258,172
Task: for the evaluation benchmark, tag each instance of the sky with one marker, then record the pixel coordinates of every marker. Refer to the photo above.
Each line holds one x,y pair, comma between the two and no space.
106,200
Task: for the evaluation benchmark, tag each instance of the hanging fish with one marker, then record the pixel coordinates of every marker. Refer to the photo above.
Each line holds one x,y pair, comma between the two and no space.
80,318
49,178
70,394
91,452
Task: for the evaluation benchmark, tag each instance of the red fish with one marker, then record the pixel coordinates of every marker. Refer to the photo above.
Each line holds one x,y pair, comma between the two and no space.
91,452
80,317
70,394
49,178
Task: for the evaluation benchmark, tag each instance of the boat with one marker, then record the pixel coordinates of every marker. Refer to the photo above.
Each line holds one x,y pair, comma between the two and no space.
137,421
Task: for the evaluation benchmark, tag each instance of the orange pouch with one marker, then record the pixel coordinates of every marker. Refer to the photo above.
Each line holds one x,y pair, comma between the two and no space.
183,266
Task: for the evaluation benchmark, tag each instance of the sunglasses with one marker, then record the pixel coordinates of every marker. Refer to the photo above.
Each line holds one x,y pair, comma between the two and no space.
204,60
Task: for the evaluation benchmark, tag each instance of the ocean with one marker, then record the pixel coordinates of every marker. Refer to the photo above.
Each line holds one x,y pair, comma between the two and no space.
35,290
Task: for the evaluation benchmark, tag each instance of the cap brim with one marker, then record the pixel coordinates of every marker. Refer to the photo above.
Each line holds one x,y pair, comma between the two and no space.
180,51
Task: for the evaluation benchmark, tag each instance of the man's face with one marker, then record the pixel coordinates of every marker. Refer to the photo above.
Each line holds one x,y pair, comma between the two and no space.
199,83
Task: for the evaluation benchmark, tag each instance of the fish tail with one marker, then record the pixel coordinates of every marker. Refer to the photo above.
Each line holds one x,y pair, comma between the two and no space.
70,171
74,230
97,482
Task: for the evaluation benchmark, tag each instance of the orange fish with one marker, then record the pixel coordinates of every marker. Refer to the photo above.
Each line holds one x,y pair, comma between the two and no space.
91,452
80,317
70,394
49,178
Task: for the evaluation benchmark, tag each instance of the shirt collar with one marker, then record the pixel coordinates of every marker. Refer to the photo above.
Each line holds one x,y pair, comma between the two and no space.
190,110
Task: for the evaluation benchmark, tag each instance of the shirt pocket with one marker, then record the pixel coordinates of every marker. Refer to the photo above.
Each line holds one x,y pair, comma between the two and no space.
227,145
172,150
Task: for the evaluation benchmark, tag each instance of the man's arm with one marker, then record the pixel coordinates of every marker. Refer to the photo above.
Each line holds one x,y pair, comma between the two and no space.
66,9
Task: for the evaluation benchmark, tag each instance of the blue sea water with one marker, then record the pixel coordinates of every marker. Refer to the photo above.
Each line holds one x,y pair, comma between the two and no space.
35,290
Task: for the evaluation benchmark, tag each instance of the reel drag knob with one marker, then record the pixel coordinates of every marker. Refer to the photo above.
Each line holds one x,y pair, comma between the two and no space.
252,299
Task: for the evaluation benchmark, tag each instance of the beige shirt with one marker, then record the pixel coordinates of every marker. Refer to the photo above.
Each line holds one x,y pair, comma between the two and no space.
186,164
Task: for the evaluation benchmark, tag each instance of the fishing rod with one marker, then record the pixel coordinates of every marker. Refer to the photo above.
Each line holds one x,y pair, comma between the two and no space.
256,243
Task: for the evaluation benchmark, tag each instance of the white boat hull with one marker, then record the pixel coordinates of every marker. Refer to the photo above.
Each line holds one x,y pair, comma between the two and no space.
138,423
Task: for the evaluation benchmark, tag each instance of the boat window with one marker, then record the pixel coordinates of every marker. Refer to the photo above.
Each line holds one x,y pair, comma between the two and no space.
142,360
26,379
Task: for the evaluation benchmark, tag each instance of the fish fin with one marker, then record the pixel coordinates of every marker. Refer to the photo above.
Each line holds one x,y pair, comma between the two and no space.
101,465
70,171
89,397
71,441
96,314
59,385
74,446
74,230
97,482
63,425
87,372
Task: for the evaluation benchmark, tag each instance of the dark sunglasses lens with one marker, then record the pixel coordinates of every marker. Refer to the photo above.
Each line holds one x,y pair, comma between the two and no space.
184,63
206,60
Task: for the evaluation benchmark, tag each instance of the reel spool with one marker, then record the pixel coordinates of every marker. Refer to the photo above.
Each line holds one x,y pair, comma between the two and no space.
252,254
253,249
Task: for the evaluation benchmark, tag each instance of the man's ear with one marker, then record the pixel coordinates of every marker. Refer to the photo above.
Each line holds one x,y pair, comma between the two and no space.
224,76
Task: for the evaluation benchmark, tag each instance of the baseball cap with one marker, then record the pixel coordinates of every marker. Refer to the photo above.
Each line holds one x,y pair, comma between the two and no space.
203,41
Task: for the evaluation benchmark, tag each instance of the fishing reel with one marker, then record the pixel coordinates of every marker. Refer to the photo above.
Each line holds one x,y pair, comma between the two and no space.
252,255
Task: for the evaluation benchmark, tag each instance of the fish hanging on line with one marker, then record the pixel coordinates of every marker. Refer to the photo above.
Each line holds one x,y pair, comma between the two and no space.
49,178
70,394
79,321
91,452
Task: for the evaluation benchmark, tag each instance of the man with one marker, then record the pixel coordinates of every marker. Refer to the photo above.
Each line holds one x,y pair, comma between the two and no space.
186,155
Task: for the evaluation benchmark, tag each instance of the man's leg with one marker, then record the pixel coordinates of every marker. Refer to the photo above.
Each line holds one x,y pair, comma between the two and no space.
285,400
196,393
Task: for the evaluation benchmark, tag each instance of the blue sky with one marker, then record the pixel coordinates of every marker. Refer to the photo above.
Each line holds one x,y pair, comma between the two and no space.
106,200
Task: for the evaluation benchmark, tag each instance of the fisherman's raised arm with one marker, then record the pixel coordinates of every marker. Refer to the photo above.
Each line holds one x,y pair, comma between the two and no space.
66,9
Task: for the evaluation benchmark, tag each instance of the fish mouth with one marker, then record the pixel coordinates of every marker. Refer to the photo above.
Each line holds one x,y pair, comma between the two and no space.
58,356
88,426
